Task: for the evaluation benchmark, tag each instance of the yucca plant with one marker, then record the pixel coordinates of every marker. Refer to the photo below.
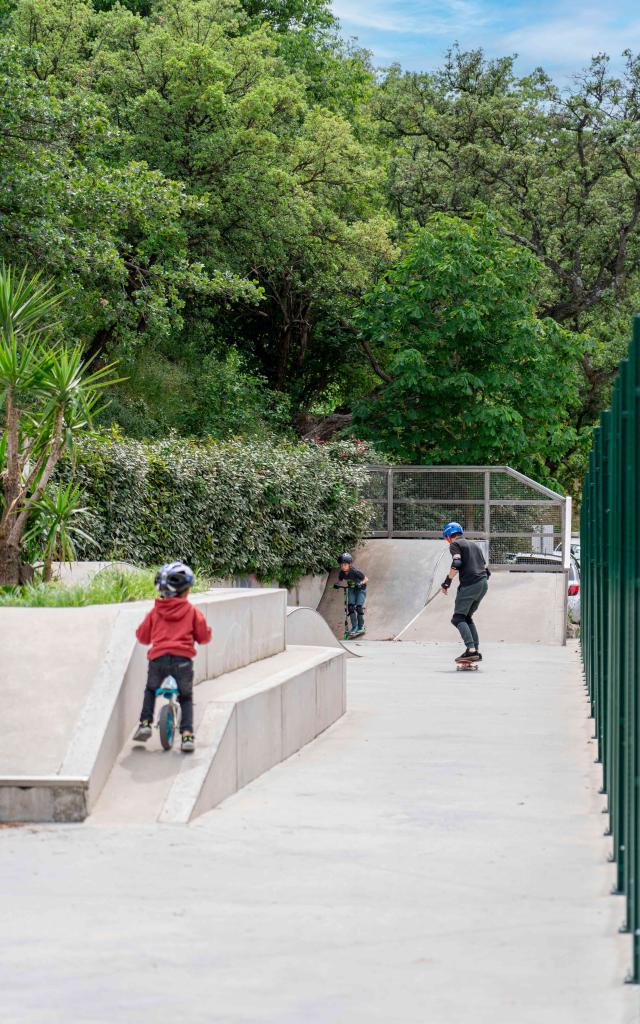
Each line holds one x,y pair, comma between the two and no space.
48,394
58,519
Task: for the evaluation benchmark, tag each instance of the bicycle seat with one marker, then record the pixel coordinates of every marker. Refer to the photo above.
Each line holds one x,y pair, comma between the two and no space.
168,688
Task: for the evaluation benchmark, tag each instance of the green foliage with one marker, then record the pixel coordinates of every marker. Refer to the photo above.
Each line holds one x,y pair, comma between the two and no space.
109,586
48,395
279,511
560,167
57,522
288,199
470,375
109,229
218,183
207,396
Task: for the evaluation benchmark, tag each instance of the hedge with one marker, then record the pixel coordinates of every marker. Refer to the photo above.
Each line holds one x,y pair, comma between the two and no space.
277,510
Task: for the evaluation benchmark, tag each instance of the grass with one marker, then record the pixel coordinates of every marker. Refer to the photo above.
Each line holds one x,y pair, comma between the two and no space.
109,586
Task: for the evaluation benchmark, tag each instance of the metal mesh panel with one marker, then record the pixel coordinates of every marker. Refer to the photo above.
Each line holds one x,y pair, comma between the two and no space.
437,485
377,486
523,518
417,517
491,505
379,522
526,551
503,485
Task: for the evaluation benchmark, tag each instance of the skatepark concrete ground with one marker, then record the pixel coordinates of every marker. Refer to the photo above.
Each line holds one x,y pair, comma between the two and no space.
436,857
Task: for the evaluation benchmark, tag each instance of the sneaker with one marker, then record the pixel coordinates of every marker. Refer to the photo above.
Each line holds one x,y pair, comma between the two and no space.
143,733
467,656
188,742
355,633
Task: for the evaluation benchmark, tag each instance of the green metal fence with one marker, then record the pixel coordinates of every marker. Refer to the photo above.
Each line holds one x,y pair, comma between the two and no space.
610,561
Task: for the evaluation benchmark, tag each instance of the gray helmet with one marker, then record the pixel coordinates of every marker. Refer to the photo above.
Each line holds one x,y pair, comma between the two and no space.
345,557
173,579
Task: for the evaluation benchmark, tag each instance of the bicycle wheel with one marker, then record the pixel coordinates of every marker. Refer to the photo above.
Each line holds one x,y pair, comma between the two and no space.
166,727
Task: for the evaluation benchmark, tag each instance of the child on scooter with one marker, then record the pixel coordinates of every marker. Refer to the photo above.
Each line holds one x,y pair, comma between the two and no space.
356,583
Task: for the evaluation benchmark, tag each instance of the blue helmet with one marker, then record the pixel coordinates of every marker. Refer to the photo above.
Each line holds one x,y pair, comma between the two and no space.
452,528
173,579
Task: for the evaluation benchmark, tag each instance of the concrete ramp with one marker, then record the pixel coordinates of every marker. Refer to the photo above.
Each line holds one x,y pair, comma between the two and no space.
520,608
246,722
402,574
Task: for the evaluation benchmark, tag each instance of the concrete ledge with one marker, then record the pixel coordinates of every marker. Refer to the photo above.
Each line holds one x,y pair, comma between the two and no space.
44,798
253,729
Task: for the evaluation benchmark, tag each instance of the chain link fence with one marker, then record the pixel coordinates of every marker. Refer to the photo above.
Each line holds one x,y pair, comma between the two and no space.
522,525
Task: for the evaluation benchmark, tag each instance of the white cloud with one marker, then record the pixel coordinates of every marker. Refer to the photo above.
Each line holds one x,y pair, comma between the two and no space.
414,18
565,41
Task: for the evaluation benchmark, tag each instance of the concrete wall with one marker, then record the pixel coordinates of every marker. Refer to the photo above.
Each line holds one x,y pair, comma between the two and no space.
307,592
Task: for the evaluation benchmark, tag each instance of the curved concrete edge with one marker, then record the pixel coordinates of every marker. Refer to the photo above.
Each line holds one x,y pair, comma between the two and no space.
248,625
245,735
306,627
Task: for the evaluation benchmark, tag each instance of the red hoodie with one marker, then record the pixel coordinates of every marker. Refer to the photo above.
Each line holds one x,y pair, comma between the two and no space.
172,627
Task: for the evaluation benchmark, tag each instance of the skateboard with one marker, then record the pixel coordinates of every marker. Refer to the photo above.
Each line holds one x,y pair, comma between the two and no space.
467,666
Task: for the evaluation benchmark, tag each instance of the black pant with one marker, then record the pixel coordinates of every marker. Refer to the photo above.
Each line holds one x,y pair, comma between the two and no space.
182,671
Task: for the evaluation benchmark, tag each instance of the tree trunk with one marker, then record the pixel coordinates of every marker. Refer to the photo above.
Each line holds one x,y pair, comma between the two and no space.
9,564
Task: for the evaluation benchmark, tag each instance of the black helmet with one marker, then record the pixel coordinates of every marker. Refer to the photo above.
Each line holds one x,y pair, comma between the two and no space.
173,579
345,557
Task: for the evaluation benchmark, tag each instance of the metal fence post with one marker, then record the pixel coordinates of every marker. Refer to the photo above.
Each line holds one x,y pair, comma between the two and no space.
390,502
487,511
566,560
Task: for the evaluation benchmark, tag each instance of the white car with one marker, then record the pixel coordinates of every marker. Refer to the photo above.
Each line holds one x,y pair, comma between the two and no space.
555,558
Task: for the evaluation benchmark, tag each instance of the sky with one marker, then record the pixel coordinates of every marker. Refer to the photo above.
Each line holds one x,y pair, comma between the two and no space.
560,36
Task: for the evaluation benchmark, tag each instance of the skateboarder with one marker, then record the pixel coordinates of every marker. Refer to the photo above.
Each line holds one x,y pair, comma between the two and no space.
356,583
468,562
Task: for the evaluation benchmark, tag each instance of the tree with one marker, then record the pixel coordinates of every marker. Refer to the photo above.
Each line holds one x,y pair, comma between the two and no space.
289,198
107,228
562,169
48,395
468,374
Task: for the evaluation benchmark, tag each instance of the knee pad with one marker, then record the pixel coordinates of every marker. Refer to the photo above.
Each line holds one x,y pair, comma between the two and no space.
457,619
351,608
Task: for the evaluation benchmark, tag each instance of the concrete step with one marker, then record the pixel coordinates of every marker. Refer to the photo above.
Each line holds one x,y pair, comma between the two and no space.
246,722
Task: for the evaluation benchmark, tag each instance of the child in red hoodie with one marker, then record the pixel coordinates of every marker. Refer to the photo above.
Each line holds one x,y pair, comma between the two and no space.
172,627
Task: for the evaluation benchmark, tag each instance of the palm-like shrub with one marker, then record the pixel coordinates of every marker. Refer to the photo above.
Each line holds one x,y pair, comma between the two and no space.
48,395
